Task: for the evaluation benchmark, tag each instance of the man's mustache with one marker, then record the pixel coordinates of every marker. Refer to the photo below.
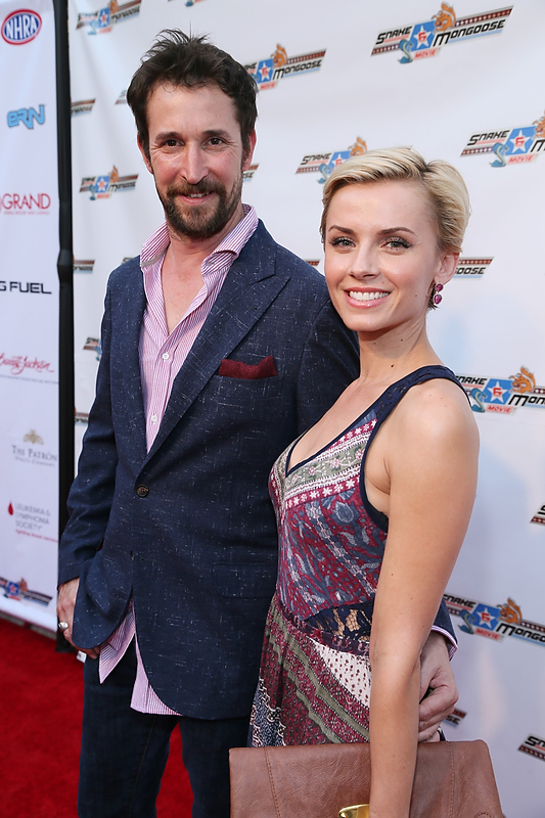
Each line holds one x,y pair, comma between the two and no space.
190,190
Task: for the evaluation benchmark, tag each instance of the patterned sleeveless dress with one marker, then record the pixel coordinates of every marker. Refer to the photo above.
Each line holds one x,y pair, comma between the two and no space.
314,682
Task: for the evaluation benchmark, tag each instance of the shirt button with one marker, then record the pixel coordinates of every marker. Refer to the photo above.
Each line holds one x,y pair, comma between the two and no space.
153,418
142,491
165,356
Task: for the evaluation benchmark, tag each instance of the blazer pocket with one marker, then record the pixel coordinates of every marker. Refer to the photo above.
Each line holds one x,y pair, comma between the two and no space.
245,580
237,369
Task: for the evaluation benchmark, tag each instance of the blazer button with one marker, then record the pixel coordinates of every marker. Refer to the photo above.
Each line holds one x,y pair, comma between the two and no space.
142,491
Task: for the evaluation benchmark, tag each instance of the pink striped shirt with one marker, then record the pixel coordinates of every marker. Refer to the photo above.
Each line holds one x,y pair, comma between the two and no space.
161,358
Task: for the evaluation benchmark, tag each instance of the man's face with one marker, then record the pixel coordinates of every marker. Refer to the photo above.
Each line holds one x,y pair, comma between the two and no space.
197,159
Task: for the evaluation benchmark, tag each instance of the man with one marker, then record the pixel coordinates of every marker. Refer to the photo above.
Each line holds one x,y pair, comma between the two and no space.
219,348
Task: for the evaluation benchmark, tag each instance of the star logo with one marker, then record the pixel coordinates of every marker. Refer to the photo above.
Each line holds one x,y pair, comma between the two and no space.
422,37
518,141
496,392
265,72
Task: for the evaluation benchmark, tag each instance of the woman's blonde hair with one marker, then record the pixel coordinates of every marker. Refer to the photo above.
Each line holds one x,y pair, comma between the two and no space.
447,191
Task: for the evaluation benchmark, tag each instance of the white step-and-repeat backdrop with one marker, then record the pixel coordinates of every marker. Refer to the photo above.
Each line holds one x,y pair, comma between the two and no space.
28,312
459,82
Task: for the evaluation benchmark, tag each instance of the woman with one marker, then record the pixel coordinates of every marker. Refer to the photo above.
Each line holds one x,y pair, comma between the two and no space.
373,502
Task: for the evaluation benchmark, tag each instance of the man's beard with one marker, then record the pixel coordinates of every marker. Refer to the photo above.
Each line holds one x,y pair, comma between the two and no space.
198,222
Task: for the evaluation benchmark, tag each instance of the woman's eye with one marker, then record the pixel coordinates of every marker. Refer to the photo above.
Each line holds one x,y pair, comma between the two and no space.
397,243
341,241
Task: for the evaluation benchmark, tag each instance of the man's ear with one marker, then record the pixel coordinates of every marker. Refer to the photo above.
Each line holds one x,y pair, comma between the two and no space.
145,157
248,156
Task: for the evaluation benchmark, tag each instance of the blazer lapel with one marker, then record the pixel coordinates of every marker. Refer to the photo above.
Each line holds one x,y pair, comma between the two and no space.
128,333
251,285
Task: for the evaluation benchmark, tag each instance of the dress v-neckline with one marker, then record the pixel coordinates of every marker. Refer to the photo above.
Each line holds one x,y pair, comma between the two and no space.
290,469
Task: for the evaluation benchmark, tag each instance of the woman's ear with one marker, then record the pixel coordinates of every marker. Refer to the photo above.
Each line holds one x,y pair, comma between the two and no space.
449,263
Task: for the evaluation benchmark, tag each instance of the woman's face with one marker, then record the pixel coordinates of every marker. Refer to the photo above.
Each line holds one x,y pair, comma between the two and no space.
382,256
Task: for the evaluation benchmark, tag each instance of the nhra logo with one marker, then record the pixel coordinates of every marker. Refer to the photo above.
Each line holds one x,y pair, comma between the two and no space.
512,146
325,163
420,40
84,106
501,395
534,746
472,267
102,187
268,72
494,622
27,116
100,22
20,27
19,591
539,516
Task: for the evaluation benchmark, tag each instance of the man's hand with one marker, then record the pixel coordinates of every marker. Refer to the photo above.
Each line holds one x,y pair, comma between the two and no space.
436,675
66,601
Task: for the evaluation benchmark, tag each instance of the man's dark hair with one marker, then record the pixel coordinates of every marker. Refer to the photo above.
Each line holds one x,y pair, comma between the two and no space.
189,61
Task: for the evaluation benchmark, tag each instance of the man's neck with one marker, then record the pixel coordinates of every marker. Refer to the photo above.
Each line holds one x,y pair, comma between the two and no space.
184,250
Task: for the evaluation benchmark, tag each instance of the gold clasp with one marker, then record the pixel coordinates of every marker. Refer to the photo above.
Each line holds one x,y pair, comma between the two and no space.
358,811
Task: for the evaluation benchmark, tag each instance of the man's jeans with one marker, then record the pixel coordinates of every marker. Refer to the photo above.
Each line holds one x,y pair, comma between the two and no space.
124,753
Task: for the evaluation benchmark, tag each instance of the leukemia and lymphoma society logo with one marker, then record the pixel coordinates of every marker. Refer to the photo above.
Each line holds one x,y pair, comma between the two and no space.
420,40
325,163
511,146
20,27
502,395
102,187
495,621
25,204
19,366
33,521
101,21
278,66
20,591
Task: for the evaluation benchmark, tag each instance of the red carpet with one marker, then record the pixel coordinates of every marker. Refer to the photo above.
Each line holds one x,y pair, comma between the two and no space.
41,695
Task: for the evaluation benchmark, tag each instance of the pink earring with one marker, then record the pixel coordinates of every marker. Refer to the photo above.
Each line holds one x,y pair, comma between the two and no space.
437,297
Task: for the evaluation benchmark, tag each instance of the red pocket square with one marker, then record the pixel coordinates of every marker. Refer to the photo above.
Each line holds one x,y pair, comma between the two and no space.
237,369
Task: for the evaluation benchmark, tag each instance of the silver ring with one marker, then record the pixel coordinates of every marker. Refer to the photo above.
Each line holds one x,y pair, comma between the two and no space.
63,626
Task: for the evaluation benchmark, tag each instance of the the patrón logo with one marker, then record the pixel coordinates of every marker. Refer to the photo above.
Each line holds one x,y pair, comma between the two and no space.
33,437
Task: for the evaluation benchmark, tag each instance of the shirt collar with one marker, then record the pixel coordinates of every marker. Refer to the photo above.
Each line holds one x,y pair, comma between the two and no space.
155,246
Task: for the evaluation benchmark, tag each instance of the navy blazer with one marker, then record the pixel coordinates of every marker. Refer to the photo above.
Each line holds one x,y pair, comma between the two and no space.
187,529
